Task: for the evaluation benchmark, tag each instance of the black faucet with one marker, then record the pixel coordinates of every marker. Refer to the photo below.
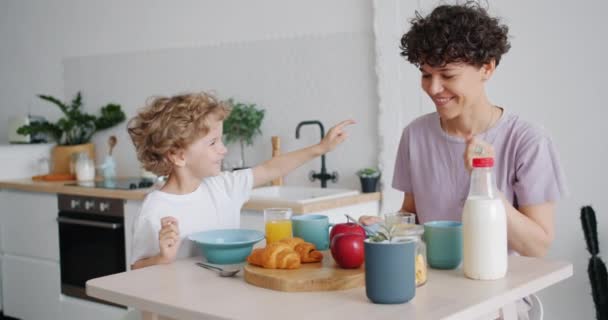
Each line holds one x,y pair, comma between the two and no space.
323,175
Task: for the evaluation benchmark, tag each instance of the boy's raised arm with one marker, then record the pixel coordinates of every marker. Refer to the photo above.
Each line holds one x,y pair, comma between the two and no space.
281,165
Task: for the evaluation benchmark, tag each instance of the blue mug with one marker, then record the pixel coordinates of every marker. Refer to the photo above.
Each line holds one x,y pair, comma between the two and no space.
313,228
390,271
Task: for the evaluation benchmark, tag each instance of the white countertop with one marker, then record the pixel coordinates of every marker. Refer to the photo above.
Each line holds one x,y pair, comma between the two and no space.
183,290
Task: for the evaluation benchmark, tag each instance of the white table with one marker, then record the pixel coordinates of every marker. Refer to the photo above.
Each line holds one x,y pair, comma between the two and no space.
183,290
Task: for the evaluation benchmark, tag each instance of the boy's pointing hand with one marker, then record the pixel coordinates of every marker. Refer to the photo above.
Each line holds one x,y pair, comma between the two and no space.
335,136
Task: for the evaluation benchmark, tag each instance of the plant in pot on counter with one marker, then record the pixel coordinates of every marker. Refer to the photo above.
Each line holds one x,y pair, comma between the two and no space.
369,179
389,233
73,132
242,125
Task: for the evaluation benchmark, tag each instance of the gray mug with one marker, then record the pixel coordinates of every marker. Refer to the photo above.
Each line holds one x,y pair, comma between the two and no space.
390,271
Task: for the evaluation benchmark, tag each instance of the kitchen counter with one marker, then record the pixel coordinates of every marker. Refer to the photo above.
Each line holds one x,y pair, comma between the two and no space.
183,290
317,206
61,187
140,194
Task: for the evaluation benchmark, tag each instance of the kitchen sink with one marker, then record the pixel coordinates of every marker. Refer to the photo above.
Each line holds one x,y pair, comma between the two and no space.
300,195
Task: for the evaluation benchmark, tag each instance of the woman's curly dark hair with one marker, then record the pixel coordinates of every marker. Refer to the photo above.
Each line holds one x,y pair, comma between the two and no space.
455,33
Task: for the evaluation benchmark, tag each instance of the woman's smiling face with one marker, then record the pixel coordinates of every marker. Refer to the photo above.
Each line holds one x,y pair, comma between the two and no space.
455,87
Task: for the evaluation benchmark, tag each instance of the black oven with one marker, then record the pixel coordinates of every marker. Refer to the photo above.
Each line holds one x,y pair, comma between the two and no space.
91,241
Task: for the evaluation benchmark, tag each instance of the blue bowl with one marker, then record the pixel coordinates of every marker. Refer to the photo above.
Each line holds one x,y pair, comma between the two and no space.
226,246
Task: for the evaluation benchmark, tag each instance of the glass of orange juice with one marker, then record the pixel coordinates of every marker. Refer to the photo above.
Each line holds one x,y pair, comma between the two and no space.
277,223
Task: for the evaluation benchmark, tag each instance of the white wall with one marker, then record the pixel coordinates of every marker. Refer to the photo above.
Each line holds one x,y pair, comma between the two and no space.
294,79
24,160
41,40
553,76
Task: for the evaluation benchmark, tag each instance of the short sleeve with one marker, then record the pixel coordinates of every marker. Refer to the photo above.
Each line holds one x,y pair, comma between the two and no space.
145,239
238,185
538,174
402,176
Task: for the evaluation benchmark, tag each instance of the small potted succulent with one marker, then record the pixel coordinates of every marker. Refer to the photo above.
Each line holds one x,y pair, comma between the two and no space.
369,179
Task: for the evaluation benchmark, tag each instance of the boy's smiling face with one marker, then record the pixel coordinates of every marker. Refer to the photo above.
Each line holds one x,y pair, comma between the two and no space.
203,158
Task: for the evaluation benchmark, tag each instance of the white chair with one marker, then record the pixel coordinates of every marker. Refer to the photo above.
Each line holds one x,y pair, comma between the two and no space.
536,311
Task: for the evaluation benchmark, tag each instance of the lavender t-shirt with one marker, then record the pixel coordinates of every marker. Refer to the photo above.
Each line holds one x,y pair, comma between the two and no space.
430,166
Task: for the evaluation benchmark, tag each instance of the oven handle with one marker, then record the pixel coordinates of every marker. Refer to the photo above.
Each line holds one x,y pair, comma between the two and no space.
81,222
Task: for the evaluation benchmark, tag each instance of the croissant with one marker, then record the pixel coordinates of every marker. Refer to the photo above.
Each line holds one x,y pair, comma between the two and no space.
292,242
275,256
307,251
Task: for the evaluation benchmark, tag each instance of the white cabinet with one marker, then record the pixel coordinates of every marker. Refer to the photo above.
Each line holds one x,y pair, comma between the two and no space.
31,288
29,225
31,283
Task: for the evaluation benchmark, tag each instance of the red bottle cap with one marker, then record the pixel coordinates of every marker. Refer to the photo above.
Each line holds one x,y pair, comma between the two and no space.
483,162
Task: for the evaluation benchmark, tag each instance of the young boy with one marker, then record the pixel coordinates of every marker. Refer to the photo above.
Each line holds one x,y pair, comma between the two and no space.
181,137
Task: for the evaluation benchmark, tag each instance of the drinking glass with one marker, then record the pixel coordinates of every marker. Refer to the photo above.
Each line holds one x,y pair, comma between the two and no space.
400,220
277,222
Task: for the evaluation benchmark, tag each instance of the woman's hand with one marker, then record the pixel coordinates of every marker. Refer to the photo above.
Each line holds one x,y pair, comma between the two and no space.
369,220
476,148
168,239
335,136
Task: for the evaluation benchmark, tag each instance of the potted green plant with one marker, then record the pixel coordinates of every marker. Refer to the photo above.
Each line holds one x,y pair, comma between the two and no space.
369,179
242,125
73,132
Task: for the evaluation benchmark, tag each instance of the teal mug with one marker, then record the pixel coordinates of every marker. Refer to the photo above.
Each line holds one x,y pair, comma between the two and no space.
443,244
313,228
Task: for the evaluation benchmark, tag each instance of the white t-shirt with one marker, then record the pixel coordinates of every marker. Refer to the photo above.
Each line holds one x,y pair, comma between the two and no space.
215,204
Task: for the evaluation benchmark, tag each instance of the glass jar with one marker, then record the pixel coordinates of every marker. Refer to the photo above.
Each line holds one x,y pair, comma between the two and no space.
415,232
84,167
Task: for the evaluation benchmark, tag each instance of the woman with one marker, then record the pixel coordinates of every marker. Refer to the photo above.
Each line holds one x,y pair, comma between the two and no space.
457,49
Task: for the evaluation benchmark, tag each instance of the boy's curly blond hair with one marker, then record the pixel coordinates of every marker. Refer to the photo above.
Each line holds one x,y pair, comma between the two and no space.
169,124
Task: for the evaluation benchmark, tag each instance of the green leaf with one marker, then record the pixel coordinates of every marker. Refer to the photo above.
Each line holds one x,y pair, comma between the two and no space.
36,127
243,123
76,127
111,115
368,173
64,108
387,233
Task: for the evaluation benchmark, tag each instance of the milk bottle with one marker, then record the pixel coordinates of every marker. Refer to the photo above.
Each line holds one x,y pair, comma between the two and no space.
484,223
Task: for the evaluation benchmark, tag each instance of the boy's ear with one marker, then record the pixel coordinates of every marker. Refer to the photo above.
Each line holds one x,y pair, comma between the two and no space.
487,70
177,157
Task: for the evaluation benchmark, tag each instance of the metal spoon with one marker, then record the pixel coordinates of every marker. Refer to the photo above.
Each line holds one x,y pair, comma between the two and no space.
223,272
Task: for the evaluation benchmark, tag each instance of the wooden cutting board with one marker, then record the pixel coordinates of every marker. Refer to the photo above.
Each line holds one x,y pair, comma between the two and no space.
320,276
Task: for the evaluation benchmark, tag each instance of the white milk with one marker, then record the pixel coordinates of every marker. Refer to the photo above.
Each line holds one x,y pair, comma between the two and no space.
484,233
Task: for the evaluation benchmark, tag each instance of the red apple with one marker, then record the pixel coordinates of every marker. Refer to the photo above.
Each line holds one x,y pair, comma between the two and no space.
347,249
349,227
